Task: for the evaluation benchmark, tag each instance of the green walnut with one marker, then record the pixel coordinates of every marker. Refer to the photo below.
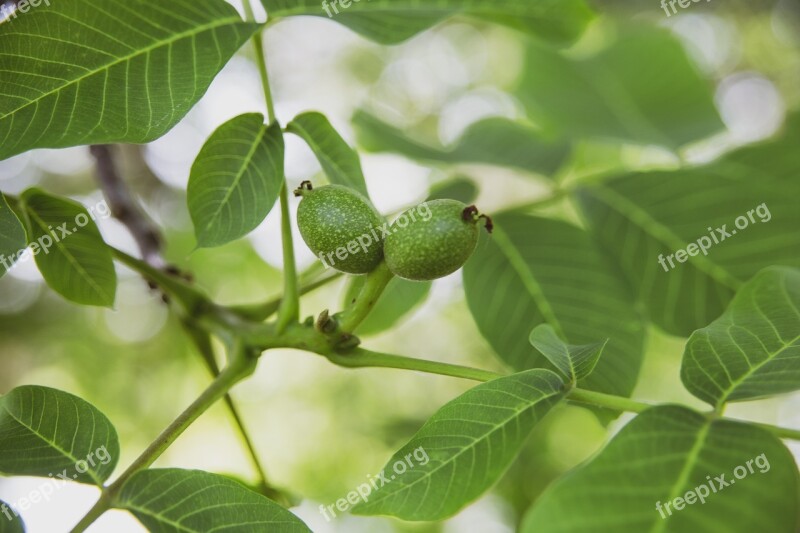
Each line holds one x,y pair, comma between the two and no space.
341,227
433,239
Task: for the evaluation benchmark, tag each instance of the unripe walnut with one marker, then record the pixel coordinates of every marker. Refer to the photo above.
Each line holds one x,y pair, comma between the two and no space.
341,227
432,240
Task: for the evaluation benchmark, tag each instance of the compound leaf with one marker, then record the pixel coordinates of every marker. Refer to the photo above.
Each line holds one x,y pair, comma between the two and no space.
753,349
494,141
621,93
575,362
10,522
69,250
81,72
46,432
340,162
394,21
703,474
12,236
193,501
235,179
469,443
688,239
533,271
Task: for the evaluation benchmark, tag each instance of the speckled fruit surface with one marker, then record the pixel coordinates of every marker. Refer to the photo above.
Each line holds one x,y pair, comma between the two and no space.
342,228
422,248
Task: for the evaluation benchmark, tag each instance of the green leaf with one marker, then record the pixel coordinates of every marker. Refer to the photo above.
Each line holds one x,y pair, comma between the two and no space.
102,71
464,448
662,454
340,162
493,141
235,179
575,362
69,250
459,188
753,349
400,298
12,236
394,21
535,271
642,219
174,500
14,524
46,432
9,521
621,93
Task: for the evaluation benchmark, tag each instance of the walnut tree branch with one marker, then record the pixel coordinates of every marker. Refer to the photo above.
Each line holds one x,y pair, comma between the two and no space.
125,208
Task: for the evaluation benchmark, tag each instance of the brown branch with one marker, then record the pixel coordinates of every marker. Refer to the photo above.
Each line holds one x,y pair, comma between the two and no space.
124,207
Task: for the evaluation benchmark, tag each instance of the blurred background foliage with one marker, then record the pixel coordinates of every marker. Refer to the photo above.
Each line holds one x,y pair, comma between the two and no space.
319,429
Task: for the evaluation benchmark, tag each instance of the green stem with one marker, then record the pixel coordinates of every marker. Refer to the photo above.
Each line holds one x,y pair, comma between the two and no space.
376,282
261,312
103,504
240,367
266,488
196,305
202,341
562,191
249,15
361,358
289,310
258,44
193,301
555,196
608,401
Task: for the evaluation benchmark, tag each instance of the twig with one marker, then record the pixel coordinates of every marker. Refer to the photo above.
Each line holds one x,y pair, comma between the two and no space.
241,366
124,207
202,341
262,311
